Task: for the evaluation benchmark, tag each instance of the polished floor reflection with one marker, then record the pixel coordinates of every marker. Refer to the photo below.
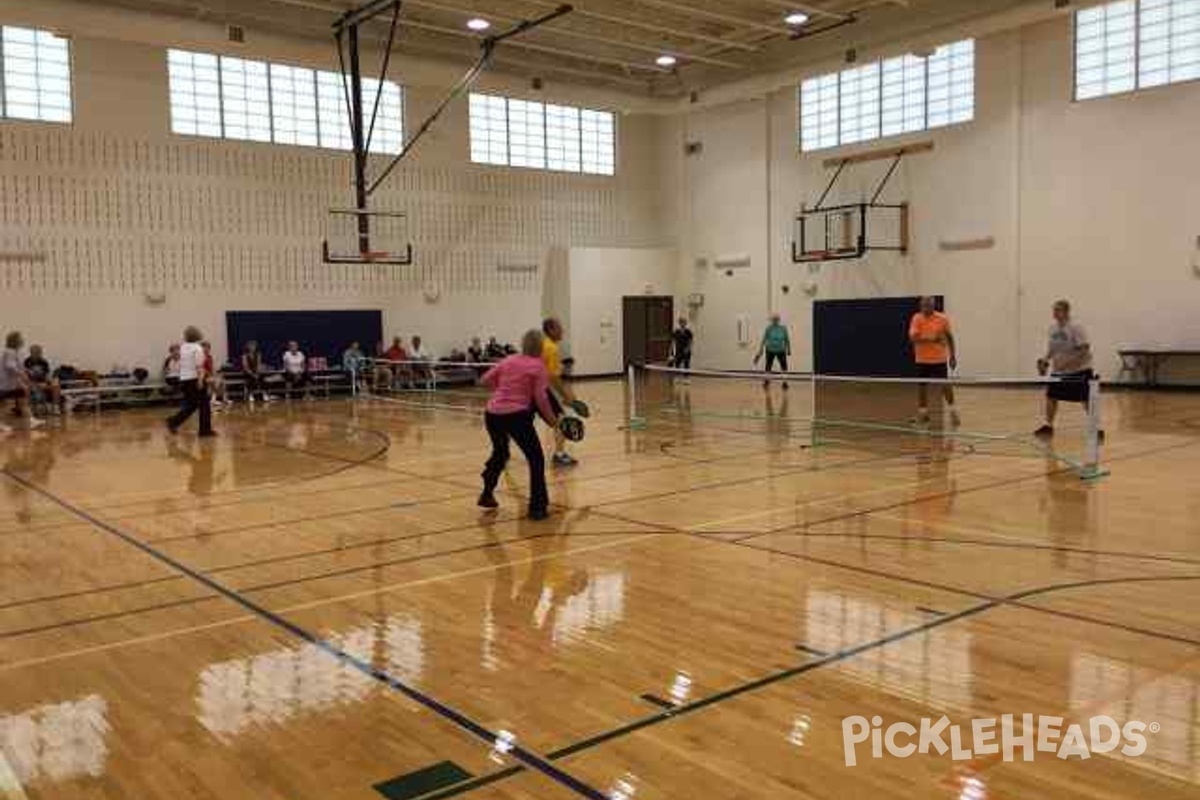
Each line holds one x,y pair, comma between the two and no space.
312,607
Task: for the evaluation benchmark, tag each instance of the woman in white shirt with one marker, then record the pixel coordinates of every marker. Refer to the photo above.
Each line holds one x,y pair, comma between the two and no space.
295,370
193,380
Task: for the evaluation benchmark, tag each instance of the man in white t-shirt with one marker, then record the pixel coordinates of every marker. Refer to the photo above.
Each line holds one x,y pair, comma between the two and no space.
418,353
295,370
193,380
1069,358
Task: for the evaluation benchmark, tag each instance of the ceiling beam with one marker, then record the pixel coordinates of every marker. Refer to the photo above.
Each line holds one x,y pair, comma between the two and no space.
694,11
650,27
629,66
807,8
561,31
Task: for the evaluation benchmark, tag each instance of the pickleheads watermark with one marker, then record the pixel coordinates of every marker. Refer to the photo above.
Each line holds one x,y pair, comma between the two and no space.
989,737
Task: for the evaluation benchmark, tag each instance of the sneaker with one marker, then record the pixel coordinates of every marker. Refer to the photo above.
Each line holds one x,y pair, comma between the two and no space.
955,419
785,386
922,417
172,428
1044,432
207,434
766,384
4,429
538,514
34,422
564,460
488,500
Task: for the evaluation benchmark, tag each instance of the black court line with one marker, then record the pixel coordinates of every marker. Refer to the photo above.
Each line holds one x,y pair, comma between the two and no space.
812,651
264,587
1007,544
476,729
678,711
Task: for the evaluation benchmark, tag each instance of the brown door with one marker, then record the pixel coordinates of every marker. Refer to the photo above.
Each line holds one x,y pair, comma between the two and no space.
647,329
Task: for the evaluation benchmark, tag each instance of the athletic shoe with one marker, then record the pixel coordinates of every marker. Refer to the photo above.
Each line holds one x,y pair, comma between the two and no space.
172,428
564,460
955,419
488,500
538,514
1044,432
785,386
4,429
207,434
34,422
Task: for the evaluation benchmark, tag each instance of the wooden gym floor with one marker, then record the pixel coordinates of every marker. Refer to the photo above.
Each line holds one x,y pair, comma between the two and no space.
311,607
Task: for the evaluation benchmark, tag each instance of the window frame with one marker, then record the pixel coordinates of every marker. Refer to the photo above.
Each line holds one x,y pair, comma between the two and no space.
5,118
319,127
1137,87
546,137
879,67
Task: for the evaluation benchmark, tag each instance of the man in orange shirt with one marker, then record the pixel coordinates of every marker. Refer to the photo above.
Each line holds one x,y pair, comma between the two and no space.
933,348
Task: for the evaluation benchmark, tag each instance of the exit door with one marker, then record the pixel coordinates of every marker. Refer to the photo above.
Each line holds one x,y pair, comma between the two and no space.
647,329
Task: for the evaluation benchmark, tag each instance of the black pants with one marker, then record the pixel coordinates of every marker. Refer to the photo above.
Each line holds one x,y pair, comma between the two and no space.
683,361
195,398
518,427
295,380
253,383
780,357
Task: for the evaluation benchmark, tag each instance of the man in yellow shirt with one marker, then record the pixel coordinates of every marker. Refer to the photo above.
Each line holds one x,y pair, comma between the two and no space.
935,354
552,327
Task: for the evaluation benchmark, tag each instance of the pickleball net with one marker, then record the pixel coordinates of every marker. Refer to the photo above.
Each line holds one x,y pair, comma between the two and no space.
874,416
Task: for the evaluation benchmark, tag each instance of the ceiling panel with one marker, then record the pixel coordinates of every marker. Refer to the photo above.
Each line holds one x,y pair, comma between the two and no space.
615,43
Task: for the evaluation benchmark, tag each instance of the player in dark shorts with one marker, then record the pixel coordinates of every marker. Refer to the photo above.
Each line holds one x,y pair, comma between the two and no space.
935,354
681,345
1068,357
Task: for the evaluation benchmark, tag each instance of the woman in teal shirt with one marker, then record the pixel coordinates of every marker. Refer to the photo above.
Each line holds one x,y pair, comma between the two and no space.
777,344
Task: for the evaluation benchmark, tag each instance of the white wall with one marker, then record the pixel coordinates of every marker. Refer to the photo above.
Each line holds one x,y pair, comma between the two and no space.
599,279
1092,201
723,210
121,207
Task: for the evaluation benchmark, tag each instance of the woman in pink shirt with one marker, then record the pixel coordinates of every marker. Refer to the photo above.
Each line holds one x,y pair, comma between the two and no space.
520,385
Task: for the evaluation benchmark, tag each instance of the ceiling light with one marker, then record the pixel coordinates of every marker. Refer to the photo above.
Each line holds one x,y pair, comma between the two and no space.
666,61
796,19
478,24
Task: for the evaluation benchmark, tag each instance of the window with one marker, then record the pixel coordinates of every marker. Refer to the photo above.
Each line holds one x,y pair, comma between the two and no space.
889,97
1136,44
562,139
294,108
598,142
247,94
522,133
35,82
255,101
195,93
526,134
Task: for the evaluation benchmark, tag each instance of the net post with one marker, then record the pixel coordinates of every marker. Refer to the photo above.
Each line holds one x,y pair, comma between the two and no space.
1092,468
636,421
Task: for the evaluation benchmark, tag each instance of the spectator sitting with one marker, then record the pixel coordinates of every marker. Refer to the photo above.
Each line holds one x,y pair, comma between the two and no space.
218,394
44,387
475,353
456,357
353,358
252,369
495,351
170,368
14,384
295,370
394,370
